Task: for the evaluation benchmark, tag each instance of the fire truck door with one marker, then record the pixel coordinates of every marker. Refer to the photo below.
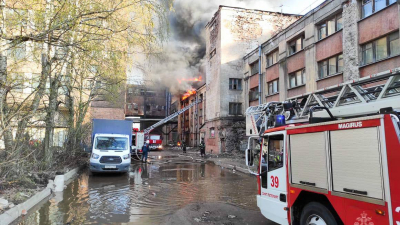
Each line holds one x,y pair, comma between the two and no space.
272,201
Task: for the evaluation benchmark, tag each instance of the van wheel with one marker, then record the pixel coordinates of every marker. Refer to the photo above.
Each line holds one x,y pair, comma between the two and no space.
315,213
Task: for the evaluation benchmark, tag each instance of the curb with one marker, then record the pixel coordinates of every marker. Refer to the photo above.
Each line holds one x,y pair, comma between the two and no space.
12,214
240,169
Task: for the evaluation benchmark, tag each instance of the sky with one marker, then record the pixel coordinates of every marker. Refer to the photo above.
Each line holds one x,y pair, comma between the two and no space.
184,53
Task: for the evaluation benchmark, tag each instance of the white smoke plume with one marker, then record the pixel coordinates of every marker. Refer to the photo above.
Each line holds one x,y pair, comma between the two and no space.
184,53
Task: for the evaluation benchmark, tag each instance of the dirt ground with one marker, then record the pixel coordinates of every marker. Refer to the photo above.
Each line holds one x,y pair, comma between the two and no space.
216,213
18,189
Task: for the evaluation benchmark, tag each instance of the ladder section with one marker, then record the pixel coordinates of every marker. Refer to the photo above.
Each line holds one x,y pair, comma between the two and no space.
364,96
170,117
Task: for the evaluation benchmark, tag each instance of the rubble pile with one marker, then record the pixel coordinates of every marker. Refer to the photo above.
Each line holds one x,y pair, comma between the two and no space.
236,136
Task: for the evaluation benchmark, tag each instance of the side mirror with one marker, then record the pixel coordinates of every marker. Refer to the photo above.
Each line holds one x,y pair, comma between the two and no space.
249,157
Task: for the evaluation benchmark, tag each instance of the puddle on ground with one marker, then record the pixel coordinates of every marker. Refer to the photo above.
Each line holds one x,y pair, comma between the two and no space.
144,196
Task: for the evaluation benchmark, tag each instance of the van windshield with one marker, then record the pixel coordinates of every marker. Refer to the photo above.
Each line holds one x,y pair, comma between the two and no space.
111,143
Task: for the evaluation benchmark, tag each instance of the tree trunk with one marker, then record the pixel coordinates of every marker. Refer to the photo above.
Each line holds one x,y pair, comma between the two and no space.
71,128
23,123
51,112
5,126
49,120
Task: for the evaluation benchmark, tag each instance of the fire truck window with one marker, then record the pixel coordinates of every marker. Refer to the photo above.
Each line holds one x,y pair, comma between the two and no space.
256,147
264,165
275,152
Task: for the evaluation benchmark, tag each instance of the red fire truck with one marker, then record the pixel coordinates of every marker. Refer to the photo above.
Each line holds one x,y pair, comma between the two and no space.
329,157
155,142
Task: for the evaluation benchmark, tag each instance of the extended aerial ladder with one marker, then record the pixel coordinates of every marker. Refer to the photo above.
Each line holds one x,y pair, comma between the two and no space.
170,117
364,96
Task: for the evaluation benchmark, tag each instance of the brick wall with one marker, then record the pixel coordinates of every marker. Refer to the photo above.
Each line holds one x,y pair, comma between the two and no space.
107,113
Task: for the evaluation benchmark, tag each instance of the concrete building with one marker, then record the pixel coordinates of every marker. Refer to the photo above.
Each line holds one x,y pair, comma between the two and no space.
231,34
147,102
336,42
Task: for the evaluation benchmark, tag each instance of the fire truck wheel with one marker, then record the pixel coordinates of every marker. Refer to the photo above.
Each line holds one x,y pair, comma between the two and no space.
315,213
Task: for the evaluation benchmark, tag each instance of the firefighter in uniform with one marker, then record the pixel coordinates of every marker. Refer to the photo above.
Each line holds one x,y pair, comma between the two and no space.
202,148
184,147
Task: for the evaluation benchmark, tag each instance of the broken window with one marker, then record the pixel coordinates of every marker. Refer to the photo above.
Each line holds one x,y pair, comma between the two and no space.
235,108
296,45
235,84
253,94
254,68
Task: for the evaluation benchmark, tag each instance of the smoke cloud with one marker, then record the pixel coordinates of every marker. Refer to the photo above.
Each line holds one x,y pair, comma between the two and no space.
184,53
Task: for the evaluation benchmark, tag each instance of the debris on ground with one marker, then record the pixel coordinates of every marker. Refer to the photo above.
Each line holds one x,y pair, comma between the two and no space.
3,203
222,213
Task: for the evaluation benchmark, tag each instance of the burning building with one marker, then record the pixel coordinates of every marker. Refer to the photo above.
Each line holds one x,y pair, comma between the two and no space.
188,124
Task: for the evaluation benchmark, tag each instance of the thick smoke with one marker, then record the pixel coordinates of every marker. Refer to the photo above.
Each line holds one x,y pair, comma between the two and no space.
184,53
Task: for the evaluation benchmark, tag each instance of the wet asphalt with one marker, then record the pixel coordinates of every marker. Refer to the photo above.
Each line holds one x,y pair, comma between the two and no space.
148,194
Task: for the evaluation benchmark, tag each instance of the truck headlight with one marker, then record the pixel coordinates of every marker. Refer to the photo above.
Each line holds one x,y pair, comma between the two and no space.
95,156
127,156
160,146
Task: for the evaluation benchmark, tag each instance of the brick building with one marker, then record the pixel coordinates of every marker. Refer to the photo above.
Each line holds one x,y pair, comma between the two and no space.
336,42
231,34
170,129
192,120
102,108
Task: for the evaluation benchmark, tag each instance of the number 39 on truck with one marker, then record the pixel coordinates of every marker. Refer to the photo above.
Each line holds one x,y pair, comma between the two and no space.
329,157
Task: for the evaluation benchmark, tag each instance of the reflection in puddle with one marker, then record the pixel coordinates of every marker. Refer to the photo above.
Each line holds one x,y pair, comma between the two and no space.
145,195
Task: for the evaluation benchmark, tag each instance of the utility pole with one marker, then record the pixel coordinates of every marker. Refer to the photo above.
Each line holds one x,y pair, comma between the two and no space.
259,75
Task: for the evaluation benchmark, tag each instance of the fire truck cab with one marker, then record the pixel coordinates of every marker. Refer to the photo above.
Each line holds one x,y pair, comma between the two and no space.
328,171
331,173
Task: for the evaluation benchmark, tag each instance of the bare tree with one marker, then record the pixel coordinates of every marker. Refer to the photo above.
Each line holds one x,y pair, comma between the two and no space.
83,47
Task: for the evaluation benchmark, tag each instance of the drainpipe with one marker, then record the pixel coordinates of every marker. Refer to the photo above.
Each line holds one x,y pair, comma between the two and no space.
259,75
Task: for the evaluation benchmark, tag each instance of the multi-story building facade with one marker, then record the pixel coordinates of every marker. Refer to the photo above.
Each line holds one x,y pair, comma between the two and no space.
192,120
336,42
148,102
231,34
170,129
187,127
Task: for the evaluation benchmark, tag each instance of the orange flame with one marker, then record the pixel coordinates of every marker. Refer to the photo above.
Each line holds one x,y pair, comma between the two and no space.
194,79
188,94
